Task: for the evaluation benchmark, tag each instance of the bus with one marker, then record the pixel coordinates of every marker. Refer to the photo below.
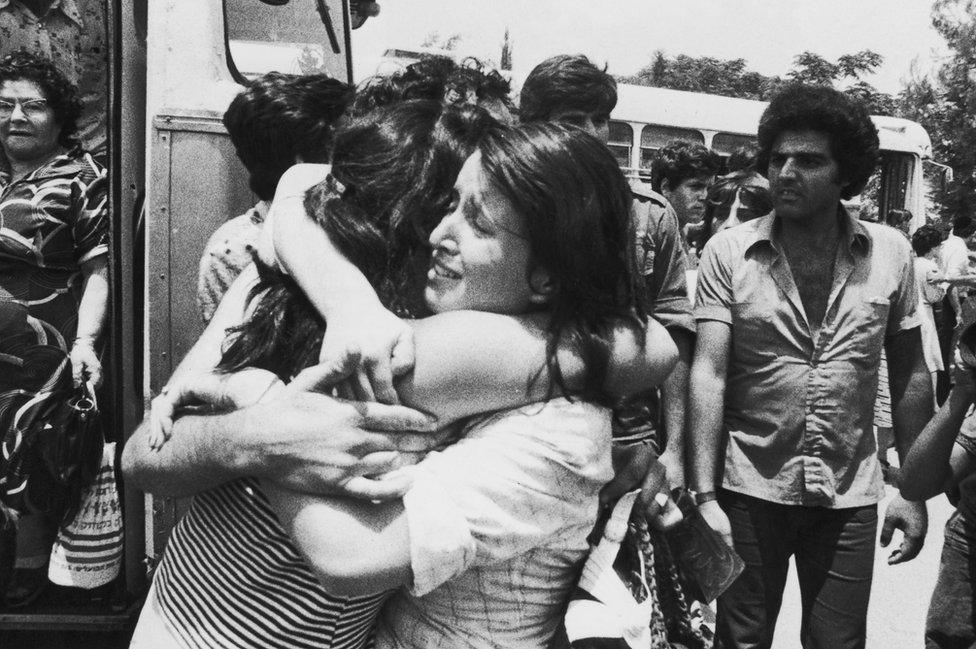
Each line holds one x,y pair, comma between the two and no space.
645,119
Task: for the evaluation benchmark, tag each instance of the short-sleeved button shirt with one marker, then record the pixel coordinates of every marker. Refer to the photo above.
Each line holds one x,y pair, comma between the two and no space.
72,34
799,406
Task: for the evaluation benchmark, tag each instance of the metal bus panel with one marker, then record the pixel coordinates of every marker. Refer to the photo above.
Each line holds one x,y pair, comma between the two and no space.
195,180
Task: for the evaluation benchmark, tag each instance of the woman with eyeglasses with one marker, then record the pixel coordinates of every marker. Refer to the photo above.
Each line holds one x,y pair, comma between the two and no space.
53,298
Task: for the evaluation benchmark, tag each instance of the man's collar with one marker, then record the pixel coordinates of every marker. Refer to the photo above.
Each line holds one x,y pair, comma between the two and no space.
852,229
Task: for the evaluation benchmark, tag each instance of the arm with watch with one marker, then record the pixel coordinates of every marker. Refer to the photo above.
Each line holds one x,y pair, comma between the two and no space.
706,433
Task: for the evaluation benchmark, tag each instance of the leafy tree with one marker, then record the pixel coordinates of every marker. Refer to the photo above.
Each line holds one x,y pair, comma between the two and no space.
946,103
505,62
437,41
813,68
733,78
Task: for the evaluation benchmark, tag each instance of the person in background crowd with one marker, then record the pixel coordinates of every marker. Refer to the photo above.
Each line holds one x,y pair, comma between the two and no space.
925,243
734,199
54,288
943,458
742,159
682,172
901,220
954,263
793,311
276,121
572,90
72,34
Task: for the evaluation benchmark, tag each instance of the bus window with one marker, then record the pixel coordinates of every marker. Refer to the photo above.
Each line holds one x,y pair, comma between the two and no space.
298,37
655,136
621,142
725,144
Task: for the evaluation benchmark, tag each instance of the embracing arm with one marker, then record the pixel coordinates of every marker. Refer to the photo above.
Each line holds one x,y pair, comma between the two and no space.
354,547
469,362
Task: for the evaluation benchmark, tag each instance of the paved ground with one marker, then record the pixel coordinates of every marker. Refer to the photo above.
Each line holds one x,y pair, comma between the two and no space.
899,594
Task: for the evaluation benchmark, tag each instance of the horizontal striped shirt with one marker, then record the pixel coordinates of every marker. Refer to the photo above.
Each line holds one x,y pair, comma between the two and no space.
231,577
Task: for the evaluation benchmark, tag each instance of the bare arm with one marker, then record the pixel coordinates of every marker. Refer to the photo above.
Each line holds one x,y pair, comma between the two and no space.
92,314
355,548
707,404
674,402
304,440
934,462
910,386
358,322
470,362
911,409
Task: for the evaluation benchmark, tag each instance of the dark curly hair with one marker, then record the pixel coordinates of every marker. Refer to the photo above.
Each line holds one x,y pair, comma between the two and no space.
680,160
566,83
394,171
434,78
926,238
845,120
60,93
280,117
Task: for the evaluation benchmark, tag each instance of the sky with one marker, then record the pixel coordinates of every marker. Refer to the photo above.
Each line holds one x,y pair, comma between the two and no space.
625,33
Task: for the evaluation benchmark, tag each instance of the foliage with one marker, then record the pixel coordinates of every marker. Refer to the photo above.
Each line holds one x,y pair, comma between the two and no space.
945,104
732,78
505,62
435,40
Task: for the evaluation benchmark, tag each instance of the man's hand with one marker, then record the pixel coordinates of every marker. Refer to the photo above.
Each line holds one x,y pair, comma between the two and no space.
323,445
913,520
223,392
717,519
313,443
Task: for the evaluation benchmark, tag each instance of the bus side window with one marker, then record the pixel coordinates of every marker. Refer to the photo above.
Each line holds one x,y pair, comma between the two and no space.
655,136
621,142
297,37
725,144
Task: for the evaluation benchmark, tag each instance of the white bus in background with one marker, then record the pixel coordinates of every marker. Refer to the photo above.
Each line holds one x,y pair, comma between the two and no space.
646,119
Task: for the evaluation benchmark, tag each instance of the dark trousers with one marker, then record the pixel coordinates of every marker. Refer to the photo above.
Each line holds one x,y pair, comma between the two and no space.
834,551
952,618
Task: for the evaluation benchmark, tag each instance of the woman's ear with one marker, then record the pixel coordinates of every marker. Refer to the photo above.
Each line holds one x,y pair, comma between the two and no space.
542,285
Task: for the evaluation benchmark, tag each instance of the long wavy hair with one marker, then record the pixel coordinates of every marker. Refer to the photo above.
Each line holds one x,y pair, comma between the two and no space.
575,203
393,171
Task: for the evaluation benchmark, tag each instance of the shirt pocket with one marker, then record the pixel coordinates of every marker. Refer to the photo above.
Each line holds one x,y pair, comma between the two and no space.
755,336
871,326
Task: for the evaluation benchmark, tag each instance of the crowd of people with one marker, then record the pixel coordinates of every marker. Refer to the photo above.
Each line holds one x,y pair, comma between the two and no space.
451,334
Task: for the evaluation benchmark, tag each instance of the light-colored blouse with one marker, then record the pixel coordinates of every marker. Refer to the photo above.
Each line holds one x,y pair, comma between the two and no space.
498,525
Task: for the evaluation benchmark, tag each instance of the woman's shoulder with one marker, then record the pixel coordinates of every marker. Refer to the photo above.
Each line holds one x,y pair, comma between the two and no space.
571,432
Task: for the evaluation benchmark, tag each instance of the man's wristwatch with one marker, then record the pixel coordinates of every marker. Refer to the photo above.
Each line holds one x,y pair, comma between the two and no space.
703,497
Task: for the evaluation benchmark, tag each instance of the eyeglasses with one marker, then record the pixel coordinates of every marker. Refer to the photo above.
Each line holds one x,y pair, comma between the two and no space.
30,107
